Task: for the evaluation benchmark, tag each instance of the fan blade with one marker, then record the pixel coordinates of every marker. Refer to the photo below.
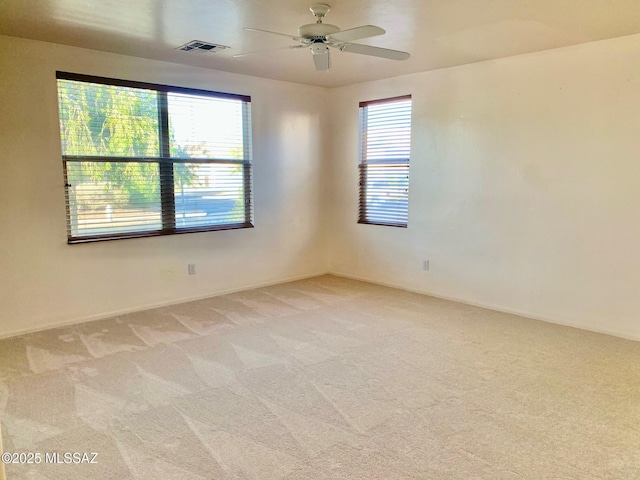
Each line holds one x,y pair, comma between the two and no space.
322,61
358,33
290,47
374,51
272,33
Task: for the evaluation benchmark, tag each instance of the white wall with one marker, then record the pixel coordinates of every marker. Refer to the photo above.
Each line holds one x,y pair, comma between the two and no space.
44,281
525,186
524,191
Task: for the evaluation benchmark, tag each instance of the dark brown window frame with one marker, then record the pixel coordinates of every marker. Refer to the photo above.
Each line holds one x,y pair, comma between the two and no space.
364,164
165,162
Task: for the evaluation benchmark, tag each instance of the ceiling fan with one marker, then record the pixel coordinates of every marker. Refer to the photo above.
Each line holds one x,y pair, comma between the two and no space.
318,37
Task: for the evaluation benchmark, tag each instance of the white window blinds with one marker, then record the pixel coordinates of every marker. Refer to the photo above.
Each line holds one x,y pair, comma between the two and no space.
385,145
143,159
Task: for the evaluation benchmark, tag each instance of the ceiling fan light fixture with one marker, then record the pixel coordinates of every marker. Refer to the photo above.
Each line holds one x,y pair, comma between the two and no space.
319,48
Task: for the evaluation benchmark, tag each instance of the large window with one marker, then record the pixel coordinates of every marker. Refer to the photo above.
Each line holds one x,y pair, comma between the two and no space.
142,160
385,144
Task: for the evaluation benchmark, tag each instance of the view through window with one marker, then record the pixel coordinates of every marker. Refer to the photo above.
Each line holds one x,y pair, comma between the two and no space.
385,146
143,159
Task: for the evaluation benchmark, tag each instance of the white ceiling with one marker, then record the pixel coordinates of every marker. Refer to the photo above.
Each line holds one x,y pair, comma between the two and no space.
437,33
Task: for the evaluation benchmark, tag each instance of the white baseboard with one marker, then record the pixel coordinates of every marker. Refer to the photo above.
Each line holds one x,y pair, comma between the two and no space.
497,308
139,308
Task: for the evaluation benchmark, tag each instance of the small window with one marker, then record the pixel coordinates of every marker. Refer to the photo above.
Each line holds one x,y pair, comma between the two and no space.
143,160
385,145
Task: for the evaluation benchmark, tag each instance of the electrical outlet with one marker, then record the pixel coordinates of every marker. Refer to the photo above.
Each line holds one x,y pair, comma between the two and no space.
425,264
192,268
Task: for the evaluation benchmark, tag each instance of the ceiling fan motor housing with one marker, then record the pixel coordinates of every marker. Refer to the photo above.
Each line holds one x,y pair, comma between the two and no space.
317,31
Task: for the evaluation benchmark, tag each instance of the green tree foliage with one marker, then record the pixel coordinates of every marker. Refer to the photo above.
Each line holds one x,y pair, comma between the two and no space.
106,120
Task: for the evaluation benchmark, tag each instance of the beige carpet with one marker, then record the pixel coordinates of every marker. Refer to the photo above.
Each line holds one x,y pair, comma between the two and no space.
324,378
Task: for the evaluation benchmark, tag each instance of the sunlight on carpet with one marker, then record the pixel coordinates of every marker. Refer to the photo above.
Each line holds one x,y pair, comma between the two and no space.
325,378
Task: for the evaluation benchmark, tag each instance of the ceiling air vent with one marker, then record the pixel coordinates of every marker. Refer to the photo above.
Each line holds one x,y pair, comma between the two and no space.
197,46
